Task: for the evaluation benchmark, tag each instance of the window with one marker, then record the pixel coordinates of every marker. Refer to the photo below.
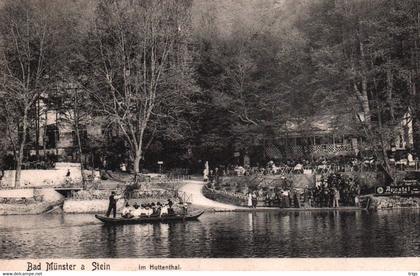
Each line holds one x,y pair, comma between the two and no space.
83,137
51,136
338,139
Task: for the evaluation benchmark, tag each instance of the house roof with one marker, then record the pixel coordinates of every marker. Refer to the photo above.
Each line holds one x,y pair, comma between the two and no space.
320,124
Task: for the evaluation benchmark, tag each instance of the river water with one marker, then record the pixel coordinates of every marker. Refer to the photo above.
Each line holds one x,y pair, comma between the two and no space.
242,234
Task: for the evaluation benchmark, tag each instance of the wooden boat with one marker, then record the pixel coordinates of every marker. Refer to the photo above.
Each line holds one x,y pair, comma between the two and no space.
149,219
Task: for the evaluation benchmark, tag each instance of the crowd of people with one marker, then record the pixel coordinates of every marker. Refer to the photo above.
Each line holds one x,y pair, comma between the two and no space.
153,209
282,198
321,165
334,191
366,162
149,209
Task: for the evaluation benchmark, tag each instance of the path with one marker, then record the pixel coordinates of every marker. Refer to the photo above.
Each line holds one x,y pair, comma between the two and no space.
193,187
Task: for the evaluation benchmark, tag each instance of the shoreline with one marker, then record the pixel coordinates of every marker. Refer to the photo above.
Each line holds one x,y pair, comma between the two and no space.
55,209
55,203
210,210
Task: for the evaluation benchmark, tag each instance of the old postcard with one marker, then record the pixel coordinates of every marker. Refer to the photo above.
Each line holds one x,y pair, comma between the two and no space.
176,135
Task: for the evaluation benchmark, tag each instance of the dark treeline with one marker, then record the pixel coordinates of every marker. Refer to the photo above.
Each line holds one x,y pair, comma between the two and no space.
189,81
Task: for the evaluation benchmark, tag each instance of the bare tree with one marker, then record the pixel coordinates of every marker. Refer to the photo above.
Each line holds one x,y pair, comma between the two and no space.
75,110
24,46
142,46
31,42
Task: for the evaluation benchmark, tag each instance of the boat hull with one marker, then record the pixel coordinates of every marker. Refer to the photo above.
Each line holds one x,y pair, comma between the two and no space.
157,219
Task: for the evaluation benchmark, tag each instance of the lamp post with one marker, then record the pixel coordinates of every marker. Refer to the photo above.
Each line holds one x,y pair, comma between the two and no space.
160,163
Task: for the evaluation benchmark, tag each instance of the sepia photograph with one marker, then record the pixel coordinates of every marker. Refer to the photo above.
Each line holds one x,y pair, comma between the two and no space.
197,129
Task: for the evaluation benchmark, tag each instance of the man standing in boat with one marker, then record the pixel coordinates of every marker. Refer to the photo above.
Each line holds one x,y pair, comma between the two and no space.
112,206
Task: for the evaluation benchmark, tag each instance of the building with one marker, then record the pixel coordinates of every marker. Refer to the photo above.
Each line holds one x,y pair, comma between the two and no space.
331,135
315,136
53,132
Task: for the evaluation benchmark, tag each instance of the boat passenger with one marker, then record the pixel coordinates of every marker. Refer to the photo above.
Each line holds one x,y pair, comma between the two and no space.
164,210
137,211
126,211
170,210
148,211
184,209
158,208
154,208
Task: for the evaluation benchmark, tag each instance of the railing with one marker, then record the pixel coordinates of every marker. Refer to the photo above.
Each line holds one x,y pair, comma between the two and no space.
43,165
325,149
184,197
331,148
171,178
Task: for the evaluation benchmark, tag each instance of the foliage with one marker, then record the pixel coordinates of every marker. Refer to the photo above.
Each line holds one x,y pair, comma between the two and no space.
192,81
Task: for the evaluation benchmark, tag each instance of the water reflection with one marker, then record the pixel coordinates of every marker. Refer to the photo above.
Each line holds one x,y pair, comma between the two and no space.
111,240
245,234
250,221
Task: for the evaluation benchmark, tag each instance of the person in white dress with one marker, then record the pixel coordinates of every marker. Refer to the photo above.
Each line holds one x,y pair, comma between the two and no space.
136,211
164,210
126,211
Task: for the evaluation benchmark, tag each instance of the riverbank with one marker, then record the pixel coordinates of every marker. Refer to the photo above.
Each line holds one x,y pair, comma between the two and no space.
41,200
200,201
31,201
372,202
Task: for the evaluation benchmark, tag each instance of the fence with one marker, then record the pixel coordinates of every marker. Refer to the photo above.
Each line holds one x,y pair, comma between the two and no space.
184,197
365,166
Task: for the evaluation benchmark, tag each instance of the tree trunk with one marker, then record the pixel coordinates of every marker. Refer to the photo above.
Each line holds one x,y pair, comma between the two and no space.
19,160
365,106
37,130
386,165
389,81
416,118
79,144
44,134
364,97
138,153
415,96
136,165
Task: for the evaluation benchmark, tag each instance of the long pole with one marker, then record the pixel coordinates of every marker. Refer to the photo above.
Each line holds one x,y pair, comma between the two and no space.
37,124
56,132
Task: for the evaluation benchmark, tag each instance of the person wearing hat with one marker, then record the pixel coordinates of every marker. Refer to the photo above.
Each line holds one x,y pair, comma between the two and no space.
164,211
170,204
112,206
158,208
149,210
184,209
154,208
137,211
126,212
